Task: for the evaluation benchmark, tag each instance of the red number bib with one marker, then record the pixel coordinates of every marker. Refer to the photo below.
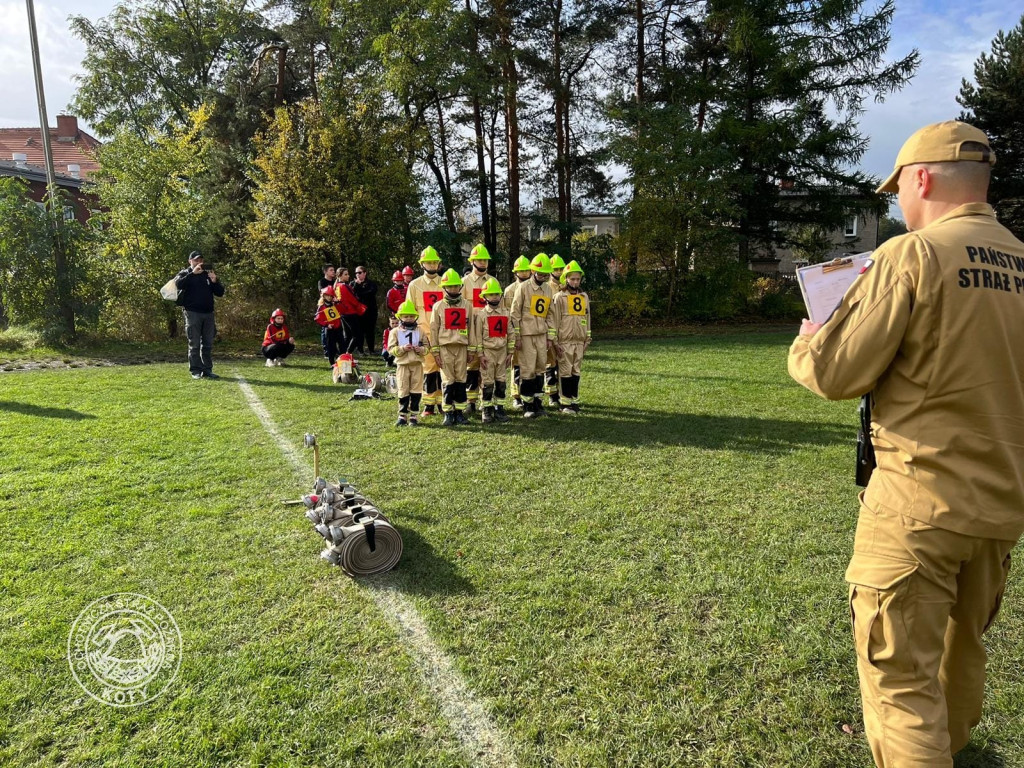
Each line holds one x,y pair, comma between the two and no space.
430,298
478,300
455,318
497,326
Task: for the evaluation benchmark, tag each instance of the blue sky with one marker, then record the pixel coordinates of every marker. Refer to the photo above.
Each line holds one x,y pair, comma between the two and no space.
950,37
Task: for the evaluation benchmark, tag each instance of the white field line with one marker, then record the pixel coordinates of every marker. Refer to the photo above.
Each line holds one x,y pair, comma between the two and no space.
483,743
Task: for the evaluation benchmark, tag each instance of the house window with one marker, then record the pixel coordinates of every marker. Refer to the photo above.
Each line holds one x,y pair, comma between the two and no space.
851,227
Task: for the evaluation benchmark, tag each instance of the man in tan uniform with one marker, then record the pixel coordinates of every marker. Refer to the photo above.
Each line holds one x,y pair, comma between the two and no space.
531,320
932,330
424,292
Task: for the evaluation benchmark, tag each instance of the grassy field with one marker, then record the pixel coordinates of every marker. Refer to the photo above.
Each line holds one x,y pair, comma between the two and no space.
657,582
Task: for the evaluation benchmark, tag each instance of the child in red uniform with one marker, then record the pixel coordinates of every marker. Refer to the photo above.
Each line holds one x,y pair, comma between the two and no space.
277,339
329,317
396,294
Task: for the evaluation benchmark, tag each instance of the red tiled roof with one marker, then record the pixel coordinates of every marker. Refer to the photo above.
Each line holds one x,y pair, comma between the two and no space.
70,145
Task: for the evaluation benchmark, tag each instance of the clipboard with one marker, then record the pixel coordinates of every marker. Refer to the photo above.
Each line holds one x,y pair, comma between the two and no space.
824,285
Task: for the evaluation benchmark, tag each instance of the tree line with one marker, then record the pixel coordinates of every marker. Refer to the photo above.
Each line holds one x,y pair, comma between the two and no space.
281,136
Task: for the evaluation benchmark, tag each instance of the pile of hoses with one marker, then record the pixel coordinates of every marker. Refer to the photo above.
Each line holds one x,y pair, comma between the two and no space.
360,539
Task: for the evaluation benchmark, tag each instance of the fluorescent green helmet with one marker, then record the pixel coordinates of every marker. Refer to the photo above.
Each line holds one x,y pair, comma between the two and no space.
407,308
522,265
541,263
556,262
429,254
451,279
479,252
491,287
574,266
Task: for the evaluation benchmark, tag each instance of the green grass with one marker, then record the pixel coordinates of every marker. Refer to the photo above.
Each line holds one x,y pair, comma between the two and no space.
658,582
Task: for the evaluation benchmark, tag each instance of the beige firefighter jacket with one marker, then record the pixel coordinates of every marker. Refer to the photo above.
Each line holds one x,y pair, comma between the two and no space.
450,323
934,329
491,320
531,309
570,314
421,292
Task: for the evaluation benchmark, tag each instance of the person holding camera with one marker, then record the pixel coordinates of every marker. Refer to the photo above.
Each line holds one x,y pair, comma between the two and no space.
197,286
932,329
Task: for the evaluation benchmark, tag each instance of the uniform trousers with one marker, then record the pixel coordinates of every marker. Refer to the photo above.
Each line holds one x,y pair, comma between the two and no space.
921,598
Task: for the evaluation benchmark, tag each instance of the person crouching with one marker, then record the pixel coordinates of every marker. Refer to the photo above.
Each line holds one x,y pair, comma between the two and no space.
449,344
278,342
405,345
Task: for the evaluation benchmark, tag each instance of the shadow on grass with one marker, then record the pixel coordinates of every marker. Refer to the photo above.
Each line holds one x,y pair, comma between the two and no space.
633,427
974,756
336,389
421,571
43,412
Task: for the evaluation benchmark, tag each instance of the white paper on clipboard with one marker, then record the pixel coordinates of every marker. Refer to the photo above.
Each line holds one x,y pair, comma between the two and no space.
406,338
824,285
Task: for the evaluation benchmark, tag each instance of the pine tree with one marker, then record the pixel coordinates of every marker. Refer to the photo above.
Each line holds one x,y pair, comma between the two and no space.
995,104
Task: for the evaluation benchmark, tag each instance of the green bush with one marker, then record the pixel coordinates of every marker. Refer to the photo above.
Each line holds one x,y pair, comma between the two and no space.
20,338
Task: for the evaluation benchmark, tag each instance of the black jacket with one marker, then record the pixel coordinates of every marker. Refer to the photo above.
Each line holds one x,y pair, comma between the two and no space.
196,292
366,292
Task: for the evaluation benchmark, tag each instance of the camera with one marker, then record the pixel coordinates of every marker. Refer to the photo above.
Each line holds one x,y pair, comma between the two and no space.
207,266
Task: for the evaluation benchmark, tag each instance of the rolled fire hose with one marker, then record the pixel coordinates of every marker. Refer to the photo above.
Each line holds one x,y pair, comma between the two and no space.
359,537
366,548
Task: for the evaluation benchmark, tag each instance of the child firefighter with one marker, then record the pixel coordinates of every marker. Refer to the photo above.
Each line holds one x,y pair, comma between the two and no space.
408,347
492,340
472,285
449,345
424,292
521,269
570,315
532,322
551,370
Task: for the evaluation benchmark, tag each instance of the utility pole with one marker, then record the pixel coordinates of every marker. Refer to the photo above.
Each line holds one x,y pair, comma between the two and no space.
53,203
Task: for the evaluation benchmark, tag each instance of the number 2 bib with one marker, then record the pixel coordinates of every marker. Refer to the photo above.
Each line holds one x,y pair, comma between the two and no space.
455,319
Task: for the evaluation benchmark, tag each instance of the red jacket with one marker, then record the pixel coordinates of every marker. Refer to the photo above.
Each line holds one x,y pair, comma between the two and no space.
273,334
395,298
346,301
328,315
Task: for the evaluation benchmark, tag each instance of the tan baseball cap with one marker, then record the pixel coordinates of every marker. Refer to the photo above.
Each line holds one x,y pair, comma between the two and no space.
938,143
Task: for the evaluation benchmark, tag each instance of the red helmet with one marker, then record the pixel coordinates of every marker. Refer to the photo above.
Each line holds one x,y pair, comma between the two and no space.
397,277
276,313
407,272
328,291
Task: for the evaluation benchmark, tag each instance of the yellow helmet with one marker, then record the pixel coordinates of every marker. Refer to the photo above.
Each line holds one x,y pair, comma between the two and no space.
574,266
429,254
479,252
541,263
557,263
522,265
407,308
451,279
491,287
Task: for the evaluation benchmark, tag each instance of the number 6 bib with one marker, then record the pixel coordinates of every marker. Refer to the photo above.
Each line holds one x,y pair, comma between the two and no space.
539,306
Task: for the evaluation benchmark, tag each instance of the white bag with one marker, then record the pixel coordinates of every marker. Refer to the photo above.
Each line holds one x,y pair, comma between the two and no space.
170,290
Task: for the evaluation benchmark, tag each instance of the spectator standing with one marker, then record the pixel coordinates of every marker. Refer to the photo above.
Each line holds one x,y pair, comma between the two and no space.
366,327
197,288
350,307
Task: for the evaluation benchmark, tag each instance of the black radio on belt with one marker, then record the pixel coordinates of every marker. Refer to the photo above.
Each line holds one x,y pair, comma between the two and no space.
865,450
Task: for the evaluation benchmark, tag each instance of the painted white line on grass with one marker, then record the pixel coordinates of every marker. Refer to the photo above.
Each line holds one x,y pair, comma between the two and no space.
484,744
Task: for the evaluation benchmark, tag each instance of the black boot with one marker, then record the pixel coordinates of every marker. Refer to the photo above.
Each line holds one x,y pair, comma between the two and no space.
460,417
449,419
499,414
488,414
